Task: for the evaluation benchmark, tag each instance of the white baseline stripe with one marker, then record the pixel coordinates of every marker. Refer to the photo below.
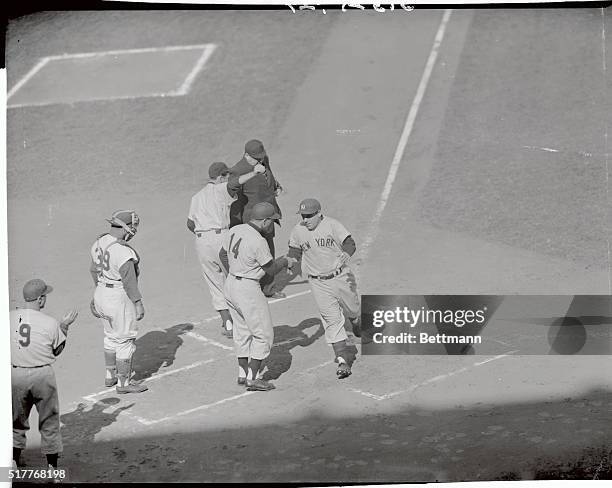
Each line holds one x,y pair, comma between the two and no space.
201,338
208,50
448,375
119,52
201,407
154,377
27,77
401,146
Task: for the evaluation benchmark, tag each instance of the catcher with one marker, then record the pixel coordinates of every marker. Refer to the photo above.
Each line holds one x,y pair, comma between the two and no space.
117,301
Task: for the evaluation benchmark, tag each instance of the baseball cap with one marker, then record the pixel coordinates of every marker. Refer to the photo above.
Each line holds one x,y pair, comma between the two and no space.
309,206
255,149
34,289
264,210
217,169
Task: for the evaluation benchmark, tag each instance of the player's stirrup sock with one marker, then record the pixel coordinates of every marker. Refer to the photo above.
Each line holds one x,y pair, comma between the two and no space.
254,366
52,459
243,366
226,319
110,359
17,455
341,350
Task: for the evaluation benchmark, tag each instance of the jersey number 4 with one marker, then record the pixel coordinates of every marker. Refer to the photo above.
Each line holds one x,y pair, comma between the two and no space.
24,331
234,249
103,262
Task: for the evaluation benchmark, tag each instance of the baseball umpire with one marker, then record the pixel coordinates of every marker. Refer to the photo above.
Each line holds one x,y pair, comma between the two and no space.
36,341
326,247
263,188
249,259
117,301
209,218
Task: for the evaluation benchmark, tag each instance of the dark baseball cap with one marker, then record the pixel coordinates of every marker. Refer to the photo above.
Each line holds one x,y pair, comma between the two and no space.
34,289
217,169
309,206
264,210
255,149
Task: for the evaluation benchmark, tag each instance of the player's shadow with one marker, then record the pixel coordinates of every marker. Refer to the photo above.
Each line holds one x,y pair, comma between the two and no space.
80,426
285,339
157,349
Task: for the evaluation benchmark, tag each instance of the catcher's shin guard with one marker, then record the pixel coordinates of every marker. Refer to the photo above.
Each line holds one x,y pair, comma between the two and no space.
110,359
125,384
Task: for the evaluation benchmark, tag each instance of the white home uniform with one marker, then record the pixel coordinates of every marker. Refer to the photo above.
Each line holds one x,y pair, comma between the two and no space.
34,335
110,299
247,252
334,287
210,212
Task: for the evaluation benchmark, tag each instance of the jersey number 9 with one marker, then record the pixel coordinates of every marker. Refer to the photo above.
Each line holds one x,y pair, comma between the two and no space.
24,331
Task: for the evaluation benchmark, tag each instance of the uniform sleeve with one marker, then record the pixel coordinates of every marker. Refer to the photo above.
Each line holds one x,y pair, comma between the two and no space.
192,208
294,239
93,270
262,252
57,336
129,280
233,187
339,232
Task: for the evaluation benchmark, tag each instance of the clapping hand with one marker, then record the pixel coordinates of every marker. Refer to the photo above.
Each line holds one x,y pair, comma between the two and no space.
69,318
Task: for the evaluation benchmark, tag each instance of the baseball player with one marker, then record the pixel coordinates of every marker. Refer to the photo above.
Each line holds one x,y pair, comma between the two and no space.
248,256
209,218
264,188
36,341
325,247
117,301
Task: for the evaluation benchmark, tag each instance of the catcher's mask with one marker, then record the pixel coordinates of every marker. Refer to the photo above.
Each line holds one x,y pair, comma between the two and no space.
128,220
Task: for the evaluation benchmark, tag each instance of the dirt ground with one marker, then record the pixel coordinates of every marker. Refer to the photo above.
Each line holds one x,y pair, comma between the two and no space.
502,189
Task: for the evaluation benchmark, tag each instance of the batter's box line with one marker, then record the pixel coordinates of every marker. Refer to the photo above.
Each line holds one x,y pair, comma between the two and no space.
435,379
207,49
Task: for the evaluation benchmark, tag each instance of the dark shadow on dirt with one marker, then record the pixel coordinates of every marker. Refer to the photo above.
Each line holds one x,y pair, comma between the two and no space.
157,349
85,421
286,338
559,439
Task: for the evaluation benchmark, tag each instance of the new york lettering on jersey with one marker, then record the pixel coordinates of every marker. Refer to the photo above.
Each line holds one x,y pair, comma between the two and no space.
321,247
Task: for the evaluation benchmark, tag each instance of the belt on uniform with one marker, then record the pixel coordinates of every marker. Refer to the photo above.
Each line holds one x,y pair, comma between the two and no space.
200,233
327,276
110,285
29,367
244,278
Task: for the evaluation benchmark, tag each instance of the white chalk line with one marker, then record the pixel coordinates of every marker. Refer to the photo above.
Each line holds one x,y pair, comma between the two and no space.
434,379
403,141
26,78
201,407
153,377
183,89
206,340
186,86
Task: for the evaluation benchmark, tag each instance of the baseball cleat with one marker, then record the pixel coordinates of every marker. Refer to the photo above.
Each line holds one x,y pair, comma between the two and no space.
131,387
259,385
276,295
241,381
343,371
